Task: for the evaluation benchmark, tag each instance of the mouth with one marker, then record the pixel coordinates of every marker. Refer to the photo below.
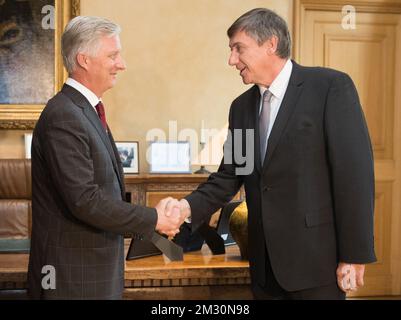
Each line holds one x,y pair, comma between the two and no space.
242,70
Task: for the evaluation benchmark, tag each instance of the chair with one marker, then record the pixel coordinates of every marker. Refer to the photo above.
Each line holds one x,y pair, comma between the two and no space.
15,199
15,212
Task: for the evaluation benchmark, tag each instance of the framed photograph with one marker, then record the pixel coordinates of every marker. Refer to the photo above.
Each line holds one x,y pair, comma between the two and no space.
170,157
31,68
129,155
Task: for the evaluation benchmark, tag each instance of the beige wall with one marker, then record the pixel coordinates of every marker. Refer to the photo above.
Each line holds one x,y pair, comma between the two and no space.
176,53
12,144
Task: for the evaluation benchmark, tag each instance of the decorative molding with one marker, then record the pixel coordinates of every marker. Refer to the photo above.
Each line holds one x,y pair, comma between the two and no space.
75,8
187,282
17,124
13,285
171,187
143,187
359,5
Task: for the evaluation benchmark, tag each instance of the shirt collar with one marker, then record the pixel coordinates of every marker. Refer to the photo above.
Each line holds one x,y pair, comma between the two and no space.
279,84
88,94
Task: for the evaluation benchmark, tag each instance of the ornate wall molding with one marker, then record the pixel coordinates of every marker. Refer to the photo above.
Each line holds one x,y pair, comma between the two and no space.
75,8
17,124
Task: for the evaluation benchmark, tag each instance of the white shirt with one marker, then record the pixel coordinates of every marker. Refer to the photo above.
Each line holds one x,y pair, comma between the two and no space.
278,89
88,94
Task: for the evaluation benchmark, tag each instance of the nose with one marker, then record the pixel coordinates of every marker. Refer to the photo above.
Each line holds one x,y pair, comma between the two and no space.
233,59
121,65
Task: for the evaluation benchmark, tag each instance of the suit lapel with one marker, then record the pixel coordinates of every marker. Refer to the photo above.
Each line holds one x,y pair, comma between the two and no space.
286,110
93,118
119,165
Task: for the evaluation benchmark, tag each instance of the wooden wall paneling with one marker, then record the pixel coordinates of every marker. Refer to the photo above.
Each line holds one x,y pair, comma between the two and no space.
370,54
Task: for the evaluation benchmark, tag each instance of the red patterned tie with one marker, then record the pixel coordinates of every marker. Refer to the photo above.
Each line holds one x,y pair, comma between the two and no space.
100,111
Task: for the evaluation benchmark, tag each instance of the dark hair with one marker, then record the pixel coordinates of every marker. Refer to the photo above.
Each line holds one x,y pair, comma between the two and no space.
261,24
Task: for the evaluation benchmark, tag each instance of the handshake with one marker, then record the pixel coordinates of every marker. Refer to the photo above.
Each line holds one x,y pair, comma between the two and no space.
171,214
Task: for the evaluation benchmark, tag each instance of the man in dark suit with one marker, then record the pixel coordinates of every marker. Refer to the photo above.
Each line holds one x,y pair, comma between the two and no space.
79,213
310,182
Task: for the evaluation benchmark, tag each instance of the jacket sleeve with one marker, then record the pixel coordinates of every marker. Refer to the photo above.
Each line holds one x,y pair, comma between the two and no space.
68,156
220,187
352,172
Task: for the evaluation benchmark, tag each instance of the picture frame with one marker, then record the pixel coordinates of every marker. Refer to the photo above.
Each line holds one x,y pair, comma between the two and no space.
170,157
129,155
31,37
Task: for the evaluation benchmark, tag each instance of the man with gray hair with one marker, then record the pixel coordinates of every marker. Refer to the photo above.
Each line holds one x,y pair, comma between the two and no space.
310,197
79,213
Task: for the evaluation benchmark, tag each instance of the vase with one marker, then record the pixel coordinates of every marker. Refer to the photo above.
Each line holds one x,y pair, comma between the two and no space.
238,225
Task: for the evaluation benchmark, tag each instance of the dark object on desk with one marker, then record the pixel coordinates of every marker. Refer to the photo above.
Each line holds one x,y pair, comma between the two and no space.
15,245
167,247
141,248
186,240
202,170
216,239
223,224
194,241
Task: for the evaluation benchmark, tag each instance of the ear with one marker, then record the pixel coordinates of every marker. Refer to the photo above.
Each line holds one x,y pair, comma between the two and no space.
272,44
82,61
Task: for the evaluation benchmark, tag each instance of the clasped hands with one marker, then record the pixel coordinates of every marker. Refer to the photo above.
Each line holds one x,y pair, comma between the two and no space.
171,214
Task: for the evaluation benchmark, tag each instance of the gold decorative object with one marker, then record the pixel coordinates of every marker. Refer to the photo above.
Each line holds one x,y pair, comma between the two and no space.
239,228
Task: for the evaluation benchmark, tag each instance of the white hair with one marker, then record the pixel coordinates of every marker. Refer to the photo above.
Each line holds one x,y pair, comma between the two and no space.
82,34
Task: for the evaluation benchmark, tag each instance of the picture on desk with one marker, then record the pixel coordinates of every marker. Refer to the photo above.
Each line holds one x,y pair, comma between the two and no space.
129,156
170,157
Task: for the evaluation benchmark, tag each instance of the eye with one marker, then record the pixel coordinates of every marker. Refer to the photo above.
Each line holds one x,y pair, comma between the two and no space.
239,49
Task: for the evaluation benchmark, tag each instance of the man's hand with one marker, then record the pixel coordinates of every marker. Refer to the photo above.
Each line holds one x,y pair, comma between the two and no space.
350,276
169,217
185,209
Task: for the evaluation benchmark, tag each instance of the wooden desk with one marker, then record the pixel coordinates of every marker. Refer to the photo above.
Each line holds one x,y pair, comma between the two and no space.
13,270
200,276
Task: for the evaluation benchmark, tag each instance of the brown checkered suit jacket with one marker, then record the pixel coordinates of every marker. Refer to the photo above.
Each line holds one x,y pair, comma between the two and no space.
78,213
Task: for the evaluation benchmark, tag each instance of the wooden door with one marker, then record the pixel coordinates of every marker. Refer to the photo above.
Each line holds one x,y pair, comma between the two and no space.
371,54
